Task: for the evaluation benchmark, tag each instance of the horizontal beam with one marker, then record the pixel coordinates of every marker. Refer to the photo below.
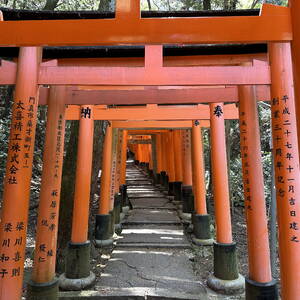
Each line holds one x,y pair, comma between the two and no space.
146,125
143,129
153,113
161,76
274,24
149,141
168,61
155,95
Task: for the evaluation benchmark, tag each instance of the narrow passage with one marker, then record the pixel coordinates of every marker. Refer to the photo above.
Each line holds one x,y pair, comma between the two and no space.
152,255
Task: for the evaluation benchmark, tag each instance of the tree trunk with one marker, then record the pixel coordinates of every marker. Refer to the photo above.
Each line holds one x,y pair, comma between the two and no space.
206,4
67,196
50,4
149,4
105,5
225,4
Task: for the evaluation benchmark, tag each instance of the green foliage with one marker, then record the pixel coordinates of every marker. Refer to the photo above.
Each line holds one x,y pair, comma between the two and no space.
163,5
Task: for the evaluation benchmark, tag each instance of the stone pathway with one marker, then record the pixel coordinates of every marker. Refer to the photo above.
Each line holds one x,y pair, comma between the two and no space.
152,253
151,259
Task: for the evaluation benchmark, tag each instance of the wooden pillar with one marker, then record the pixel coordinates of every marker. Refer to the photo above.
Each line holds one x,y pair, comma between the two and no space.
287,177
18,174
225,277
177,148
123,157
201,219
123,187
295,9
198,170
159,167
43,281
260,277
103,236
78,256
117,195
171,162
220,174
83,176
164,158
154,154
187,189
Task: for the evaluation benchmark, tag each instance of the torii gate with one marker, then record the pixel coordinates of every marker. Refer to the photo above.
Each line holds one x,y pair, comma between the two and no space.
276,25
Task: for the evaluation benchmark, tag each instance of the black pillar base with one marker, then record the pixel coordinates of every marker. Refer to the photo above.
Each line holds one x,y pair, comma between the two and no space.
151,174
78,260
112,223
201,225
103,232
225,261
163,175
171,189
187,199
146,167
261,291
177,191
157,178
78,275
45,291
136,162
124,196
117,212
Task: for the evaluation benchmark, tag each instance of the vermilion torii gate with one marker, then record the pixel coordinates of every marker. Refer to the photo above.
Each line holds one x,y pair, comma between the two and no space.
276,25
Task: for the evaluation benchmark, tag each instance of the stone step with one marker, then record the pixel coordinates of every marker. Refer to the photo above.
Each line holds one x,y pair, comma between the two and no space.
154,245
175,222
151,203
153,237
132,293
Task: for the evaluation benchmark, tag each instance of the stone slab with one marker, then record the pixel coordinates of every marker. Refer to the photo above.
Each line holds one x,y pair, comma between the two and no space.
136,183
140,293
158,269
153,215
167,235
151,203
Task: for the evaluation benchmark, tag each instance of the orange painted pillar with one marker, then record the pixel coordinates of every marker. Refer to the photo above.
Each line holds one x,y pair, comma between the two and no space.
43,280
286,159
83,176
159,166
123,187
200,219
139,157
164,158
187,184
123,157
119,160
78,256
103,235
171,162
150,157
117,194
153,158
255,207
295,8
220,174
18,174
177,148
225,259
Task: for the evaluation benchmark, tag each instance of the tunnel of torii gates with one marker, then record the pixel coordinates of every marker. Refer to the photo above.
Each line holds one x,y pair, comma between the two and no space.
95,91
